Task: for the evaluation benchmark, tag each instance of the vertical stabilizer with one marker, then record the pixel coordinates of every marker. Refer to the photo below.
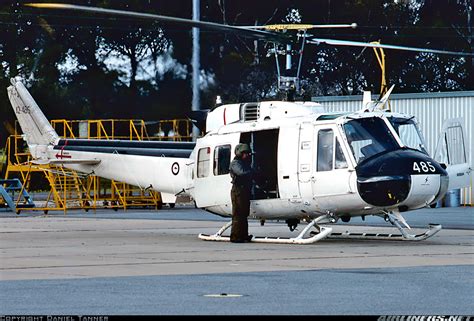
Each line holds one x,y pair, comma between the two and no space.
37,131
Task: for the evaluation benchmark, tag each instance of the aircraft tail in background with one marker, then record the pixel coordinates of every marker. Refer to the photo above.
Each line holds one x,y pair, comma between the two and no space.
37,131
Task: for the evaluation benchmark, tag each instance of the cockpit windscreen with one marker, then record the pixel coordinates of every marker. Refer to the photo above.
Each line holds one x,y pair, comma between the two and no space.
368,137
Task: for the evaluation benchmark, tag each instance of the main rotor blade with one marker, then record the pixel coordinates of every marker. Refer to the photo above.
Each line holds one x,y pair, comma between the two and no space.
259,34
248,31
299,26
335,42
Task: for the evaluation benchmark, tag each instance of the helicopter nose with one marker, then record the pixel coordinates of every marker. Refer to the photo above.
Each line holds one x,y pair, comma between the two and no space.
406,178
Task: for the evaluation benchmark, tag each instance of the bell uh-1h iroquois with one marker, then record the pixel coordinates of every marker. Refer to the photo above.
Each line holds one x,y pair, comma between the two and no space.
312,165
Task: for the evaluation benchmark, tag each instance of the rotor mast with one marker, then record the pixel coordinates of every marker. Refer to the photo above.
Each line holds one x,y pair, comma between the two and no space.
289,83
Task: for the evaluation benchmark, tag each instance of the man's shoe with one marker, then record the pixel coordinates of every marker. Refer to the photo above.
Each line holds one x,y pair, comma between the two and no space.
247,239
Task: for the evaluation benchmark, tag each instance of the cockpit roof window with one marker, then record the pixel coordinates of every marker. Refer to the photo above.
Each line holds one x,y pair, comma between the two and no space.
368,137
331,116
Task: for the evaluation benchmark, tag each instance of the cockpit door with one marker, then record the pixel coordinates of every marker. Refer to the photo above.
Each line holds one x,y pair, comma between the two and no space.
332,175
450,150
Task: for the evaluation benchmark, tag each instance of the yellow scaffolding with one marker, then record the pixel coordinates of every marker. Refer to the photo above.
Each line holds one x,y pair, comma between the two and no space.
67,190
126,195
181,130
18,160
101,128
130,129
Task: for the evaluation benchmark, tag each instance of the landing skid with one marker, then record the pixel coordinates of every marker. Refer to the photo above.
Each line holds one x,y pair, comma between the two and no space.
326,232
300,239
396,220
433,229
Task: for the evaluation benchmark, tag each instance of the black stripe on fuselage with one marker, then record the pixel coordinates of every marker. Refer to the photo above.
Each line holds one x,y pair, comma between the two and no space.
128,147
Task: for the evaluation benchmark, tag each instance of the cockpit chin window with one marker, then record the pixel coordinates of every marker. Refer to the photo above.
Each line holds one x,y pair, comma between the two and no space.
368,137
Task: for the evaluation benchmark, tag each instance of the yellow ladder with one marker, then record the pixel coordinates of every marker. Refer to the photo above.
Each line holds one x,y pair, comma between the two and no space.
67,190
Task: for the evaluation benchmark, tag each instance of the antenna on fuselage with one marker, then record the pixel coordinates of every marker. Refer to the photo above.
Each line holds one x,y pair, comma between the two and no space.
369,105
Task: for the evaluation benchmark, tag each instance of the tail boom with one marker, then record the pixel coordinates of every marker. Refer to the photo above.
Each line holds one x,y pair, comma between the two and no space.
161,166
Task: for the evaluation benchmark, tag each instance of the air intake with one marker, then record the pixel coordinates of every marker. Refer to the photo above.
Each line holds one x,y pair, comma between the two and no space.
250,111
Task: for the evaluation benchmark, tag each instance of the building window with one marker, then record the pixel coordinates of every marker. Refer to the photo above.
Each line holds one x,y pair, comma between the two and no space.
204,156
222,159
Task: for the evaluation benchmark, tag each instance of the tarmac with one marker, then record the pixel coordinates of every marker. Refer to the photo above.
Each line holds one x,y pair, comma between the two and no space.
143,262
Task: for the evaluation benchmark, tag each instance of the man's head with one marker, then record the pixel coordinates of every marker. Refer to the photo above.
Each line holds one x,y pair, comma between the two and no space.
241,150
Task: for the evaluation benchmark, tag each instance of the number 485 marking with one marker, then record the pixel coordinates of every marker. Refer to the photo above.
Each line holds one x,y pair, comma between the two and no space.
423,167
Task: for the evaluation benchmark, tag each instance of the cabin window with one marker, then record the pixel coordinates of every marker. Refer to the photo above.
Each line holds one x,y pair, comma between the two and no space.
204,156
340,159
325,150
222,159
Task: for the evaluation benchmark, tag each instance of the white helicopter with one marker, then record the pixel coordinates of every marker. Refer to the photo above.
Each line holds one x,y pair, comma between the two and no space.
313,166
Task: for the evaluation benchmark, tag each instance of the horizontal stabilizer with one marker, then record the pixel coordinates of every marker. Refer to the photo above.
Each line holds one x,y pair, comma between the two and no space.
67,161
75,161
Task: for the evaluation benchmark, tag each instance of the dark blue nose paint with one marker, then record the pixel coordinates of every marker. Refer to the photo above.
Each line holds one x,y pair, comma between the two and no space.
385,179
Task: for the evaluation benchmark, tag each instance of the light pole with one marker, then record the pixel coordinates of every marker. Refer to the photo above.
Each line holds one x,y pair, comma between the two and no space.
196,65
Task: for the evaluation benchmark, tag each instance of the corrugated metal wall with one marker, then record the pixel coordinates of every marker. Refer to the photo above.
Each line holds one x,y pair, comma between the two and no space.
430,109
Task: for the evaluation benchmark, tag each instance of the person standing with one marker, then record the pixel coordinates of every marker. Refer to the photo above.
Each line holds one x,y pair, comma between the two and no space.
241,174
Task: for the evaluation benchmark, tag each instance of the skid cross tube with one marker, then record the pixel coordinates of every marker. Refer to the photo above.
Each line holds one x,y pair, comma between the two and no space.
300,239
433,229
